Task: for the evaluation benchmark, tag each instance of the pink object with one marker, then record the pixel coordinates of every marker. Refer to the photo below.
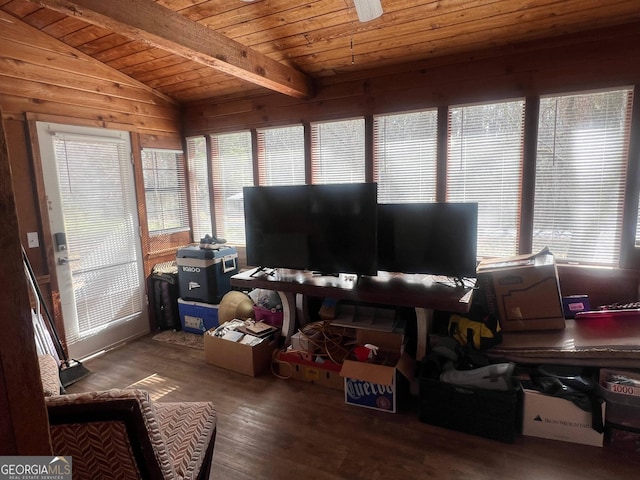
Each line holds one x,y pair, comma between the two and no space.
268,316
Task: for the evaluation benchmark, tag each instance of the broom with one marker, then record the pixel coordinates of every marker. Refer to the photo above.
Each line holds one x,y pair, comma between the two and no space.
70,370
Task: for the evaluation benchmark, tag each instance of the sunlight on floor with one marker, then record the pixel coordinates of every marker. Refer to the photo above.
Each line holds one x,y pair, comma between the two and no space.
156,385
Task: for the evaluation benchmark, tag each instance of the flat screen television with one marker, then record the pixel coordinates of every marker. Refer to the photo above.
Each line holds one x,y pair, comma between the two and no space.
329,229
430,238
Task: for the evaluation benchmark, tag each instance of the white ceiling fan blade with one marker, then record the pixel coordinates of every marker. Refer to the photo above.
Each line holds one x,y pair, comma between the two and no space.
368,9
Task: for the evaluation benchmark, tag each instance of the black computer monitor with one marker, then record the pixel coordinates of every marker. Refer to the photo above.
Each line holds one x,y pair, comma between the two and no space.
431,238
329,229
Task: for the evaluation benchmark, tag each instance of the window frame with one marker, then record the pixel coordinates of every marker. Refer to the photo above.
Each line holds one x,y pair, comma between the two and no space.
624,165
629,253
180,188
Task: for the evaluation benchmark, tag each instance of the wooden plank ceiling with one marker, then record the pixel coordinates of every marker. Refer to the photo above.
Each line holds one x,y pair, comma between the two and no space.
249,47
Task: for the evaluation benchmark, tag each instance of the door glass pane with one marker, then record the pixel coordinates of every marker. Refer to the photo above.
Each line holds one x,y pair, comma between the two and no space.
101,232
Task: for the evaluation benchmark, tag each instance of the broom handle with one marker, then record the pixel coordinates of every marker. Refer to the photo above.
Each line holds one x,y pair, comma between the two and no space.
43,305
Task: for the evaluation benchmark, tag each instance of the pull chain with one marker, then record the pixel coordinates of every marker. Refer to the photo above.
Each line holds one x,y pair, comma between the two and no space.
352,55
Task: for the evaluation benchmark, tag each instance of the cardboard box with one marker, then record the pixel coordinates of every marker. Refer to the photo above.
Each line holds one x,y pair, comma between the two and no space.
559,419
622,397
246,359
197,317
382,319
327,374
523,292
381,385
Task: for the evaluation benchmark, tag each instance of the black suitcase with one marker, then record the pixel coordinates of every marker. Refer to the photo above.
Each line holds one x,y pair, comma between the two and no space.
164,290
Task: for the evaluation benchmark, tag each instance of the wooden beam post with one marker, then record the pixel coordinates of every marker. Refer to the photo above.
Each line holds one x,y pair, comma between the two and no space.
24,427
160,27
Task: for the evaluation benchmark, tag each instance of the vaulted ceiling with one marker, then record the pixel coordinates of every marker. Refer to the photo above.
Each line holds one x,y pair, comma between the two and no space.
193,50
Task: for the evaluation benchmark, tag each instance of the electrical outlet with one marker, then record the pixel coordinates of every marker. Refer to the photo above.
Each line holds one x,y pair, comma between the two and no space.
32,240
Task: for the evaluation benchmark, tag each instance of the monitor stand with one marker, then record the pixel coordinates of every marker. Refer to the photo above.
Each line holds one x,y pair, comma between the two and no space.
325,274
457,282
268,270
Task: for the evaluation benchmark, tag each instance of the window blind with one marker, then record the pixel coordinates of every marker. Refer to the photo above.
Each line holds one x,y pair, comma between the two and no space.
580,175
97,193
337,152
281,155
232,169
199,187
484,165
404,156
165,191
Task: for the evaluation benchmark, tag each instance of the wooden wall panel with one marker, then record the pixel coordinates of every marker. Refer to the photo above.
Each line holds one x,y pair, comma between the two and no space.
42,78
600,59
43,75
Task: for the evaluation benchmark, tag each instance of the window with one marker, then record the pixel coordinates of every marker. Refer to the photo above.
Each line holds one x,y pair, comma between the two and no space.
405,150
576,200
580,175
281,155
337,151
232,169
484,166
199,187
165,191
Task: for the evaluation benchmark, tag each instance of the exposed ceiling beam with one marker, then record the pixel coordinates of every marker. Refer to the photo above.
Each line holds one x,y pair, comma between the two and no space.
163,28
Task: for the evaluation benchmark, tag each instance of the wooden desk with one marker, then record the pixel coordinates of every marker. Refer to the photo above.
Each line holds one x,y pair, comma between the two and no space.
425,293
604,342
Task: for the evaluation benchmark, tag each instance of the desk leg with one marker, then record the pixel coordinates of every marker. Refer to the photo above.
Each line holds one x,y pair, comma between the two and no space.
424,317
288,315
302,309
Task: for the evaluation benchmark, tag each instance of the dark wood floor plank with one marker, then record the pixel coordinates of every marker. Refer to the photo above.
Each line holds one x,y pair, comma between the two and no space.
269,428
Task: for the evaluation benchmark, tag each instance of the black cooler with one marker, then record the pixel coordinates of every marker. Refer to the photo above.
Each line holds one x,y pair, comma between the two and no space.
204,273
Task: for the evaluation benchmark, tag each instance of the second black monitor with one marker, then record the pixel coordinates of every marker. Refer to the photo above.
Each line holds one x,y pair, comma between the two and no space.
431,238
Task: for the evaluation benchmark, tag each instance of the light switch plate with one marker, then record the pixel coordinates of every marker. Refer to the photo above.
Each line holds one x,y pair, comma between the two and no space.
32,240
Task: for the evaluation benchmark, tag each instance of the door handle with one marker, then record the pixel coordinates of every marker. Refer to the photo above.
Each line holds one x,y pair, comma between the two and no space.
66,260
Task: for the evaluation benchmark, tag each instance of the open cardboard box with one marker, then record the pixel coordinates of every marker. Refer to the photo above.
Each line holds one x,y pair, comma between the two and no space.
523,291
559,419
249,360
293,365
382,383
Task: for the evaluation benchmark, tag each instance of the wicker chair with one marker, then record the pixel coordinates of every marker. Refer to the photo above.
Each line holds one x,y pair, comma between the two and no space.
122,434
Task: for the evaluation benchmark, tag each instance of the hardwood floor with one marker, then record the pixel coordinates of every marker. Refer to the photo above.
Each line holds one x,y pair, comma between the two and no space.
270,428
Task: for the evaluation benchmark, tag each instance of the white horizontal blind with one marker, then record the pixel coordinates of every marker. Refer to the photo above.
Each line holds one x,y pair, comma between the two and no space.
97,193
232,169
199,187
165,191
337,152
405,155
580,175
281,155
484,165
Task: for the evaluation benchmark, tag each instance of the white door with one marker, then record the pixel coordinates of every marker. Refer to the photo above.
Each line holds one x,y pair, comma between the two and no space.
93,216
